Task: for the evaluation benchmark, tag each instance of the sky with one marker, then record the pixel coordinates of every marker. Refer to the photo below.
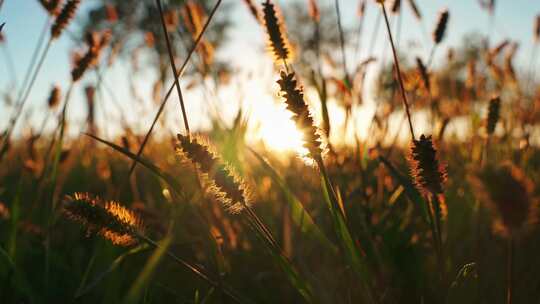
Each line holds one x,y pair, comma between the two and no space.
25,20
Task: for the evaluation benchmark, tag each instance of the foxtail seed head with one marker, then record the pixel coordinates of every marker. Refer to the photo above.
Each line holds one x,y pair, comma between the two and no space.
51,6
54,97
313,10
429,176
96,42
274,29
396,6
422,70
108,219
294,98
493,114
222,181
64,17
442,24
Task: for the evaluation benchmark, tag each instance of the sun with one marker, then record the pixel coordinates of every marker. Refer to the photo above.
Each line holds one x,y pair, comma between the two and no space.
279,132
271,123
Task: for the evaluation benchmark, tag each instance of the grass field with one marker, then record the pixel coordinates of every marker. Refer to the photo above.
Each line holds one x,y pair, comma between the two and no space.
436,203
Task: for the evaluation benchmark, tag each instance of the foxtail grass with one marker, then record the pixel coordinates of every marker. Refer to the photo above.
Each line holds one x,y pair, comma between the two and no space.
294,99
54,97
222,182
440,28
52,7
64,18
231,191
276,35
123,227
427,172
492,119
438,33
106,218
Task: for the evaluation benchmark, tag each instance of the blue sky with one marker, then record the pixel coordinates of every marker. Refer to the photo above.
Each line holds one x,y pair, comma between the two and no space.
25,19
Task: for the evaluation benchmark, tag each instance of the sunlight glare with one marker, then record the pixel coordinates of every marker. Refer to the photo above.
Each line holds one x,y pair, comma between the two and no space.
271,123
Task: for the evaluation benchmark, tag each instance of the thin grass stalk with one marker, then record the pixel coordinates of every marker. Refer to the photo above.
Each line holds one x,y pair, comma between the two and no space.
10,65
345,236
321,87
54,178
509,269
532,79
173,67
431,56
438,235
399,25
22,102
358,43
398,71
375,34
342,44
86,273
438,34
177,75
196,270
263,227
42,125
100,75
59,144
41,179
285,264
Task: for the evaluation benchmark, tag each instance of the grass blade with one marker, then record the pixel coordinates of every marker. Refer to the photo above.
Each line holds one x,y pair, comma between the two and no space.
146,163
299,215
114,265
409,189
136,289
